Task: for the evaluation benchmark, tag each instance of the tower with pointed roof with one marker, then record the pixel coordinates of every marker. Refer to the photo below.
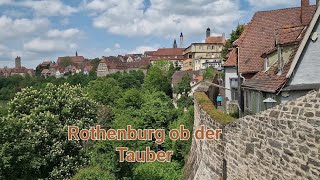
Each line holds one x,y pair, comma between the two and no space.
181,40
175,44
208,32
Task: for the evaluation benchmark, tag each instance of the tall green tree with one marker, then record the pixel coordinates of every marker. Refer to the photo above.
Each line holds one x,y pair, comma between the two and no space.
235,34
104,90
34,141
159,77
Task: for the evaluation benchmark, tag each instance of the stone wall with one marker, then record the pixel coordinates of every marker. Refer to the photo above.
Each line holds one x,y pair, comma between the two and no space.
280,143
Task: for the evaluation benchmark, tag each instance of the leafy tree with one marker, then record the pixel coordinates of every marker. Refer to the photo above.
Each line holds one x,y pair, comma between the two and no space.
95,63
65,62
104,90
93,173
157,111
183,86
157,170
181,148
159,77
233,37
34,144
185,102
209,73
131,99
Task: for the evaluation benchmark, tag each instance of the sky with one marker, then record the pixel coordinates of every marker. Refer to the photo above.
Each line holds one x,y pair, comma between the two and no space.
39,30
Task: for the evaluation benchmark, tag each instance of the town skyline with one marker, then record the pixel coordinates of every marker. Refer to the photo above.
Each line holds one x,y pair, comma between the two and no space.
37,33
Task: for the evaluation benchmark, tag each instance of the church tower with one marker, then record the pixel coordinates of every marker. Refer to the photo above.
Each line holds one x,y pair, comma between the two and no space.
175,44
18,62
181,40
208,32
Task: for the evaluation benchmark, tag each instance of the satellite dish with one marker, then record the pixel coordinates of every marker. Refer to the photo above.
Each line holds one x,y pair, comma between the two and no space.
314,36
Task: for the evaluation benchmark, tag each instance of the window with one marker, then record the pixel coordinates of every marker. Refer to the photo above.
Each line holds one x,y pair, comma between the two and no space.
190,56
266,63
234,83
209,47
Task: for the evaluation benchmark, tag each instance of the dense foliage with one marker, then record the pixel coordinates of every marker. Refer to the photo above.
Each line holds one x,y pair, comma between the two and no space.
34,144
235,34
13,84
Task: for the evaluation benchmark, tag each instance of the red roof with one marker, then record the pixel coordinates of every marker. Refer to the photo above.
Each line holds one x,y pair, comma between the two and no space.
169,52
232,58
270,81
258,35
115,63
216,39
74,59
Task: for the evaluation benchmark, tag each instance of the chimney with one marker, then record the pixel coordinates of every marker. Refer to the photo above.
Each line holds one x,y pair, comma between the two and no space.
318,3
305,12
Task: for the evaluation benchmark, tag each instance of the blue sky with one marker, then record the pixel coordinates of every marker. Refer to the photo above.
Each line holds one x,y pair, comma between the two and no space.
45,30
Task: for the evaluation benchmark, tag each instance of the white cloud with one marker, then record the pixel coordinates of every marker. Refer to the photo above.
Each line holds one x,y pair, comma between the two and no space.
107,50
164,17
5,2
21,27
49,7
142,49
68,33
47,45
270,3
262,4
117,45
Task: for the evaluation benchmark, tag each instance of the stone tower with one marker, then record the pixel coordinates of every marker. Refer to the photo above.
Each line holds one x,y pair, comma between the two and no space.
208,32
181,40
18,61
175,44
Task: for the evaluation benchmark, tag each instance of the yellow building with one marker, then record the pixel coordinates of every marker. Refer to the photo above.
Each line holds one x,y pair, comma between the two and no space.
187,65
206,54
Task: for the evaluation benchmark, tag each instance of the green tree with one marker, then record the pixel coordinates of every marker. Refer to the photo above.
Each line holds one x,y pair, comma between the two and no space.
131,99
157,170
209,73
159,77
93,173
104,90
235,34
183,87
34,141
65,61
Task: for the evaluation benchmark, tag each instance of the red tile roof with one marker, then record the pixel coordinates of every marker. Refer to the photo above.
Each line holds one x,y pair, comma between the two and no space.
73,59
169,52
270,81
232,58
115,63
216,39
258,35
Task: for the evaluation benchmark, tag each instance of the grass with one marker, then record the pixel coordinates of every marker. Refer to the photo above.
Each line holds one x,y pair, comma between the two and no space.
214,113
